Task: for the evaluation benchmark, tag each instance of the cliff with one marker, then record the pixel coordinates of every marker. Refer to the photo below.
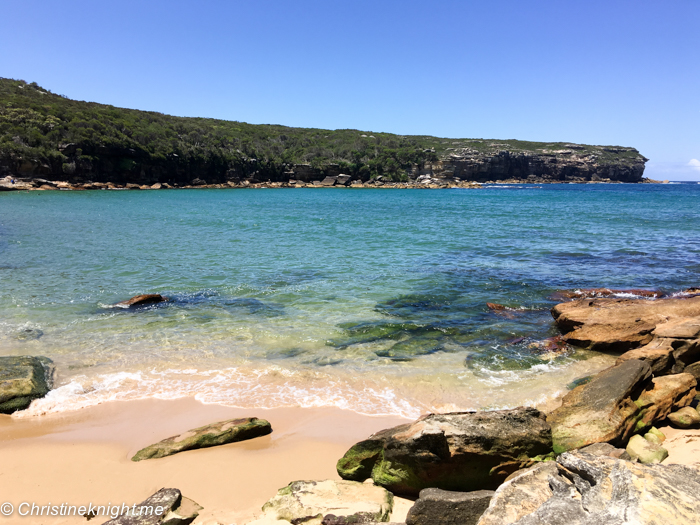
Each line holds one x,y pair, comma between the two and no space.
48,136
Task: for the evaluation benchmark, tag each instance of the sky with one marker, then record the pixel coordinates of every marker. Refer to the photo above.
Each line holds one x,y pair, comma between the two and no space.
596,72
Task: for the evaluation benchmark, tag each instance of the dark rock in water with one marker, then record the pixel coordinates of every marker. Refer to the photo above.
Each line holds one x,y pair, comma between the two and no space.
212,435
165,507
581,489
28,334
23,379
591,293
494,306
578,382
602,410
443,507
460,451
141,300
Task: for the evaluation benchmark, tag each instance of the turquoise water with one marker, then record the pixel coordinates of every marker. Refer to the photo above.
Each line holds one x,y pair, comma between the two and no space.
368,299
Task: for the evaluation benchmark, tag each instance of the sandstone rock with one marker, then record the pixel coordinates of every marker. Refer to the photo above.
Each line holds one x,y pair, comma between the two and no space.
220,433
685,417
652,438
156,186
605,449
442,507
619,325
667,393
131,186
694,370
140,300
461,451
23,379
660,436
328,181
645,451
601,410
310,502
343,180
579,489
165,507
590,293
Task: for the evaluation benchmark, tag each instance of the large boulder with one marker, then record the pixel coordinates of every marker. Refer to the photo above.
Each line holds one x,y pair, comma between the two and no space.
23,379
165,507
602,410
619,325
580,489
461,451
444,507
220,433
328,501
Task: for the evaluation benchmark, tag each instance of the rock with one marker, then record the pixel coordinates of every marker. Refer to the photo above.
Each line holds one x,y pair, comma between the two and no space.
619,325
653,438
343,180
653,431
328,181
442,507
156,186
130,186
23,379
604,292
221,433
685,417
645,451
461,451
694,370
140,300
667,393
605,449
602,410
580,489
201,182
165,507
311,502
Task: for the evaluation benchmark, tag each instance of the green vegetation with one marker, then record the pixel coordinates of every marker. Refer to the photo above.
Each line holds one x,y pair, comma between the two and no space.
72,138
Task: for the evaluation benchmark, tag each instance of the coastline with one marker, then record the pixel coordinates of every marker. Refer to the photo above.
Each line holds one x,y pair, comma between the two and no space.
84,456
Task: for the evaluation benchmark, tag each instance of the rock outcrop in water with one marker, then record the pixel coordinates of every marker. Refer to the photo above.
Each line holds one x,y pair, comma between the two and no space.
22,380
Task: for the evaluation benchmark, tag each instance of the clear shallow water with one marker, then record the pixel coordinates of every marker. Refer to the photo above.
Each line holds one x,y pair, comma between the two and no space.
373,300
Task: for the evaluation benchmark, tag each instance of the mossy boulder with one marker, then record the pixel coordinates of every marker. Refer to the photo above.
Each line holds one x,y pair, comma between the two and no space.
220,433
22,380
461,451
645,451
686,417
602,410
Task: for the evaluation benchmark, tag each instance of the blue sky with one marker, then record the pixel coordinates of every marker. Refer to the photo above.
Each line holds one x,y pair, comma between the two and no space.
613,72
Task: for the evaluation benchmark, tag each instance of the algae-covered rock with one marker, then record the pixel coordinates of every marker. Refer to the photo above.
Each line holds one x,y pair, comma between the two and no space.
310,502
656,432
220,433
645,451
23,379
664,395
686,417
461,451
601,410
165,507
580,489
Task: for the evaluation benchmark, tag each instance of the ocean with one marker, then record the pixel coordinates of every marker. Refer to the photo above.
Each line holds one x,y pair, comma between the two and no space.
373,300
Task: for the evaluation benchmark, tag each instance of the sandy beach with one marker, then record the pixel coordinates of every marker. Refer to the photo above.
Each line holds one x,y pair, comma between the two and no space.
83,457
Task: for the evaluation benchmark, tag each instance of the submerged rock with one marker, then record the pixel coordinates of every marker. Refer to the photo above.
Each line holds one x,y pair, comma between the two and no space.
220,433
444,507
165,507
23,379
461,451
330,502
140,300
580,489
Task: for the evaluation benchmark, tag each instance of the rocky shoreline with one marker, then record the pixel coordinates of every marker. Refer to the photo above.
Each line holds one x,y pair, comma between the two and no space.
598,458
39,184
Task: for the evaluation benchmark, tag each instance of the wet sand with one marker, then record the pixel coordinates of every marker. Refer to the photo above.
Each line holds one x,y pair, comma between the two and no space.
83,457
